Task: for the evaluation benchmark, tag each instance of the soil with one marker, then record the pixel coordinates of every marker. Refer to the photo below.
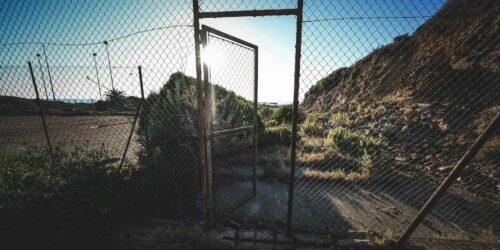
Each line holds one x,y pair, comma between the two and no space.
18,133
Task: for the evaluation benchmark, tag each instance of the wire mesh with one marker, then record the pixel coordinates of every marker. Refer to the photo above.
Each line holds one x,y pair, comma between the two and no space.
85,59
391,102
392,94
231,113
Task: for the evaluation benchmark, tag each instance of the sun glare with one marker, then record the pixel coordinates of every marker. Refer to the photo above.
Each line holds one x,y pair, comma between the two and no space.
214,56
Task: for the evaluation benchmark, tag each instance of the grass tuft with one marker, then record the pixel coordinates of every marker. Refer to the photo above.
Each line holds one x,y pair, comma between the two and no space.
334,175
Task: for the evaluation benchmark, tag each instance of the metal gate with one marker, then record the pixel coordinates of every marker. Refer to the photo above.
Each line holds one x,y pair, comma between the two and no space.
230,95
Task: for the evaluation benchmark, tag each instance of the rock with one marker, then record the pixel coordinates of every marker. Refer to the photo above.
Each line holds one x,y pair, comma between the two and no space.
401,159
445,168
344,242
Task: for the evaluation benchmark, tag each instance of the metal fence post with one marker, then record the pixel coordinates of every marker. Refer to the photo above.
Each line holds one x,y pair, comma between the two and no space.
97,74
43,77
136,116
255,121
452,176
109,65
291,180
45,130
48,72
201,108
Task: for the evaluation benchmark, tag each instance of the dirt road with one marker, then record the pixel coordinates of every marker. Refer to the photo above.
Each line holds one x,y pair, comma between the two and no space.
17,133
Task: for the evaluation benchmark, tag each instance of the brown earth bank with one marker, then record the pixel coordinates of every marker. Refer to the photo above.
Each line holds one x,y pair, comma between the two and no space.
426,96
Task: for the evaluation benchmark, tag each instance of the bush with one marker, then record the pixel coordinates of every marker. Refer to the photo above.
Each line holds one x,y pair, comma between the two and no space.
38,197
284,114
352,143
168,129
168,132
281,135
312,126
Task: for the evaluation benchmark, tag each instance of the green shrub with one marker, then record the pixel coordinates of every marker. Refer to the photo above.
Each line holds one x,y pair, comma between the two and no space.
339,116
363,149
353,143
281,135
168,126
168,132
265,112
38,197
312,125
284,114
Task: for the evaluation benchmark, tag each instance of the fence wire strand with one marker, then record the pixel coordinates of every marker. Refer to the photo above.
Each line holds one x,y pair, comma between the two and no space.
392,94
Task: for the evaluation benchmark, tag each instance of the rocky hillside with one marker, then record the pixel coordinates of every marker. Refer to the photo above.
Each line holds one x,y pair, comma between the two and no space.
457,48
429,94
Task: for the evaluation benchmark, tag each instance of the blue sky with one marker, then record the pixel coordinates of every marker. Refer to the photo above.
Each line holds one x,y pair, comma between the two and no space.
327,44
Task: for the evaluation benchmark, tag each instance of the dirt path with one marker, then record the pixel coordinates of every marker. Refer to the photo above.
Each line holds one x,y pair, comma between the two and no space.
341,206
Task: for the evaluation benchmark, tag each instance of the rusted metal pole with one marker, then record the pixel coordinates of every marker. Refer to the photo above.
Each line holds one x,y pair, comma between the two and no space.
135,119
209,132
255,120
201,111
45,130
291,180
248,13
452,176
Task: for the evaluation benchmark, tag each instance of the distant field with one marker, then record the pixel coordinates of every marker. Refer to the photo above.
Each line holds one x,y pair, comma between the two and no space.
17,133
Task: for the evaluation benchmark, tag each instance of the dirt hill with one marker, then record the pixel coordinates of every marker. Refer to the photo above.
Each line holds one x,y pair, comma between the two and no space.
457,48
428,94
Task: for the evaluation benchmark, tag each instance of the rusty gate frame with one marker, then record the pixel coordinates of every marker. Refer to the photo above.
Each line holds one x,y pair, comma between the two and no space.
210,134
201,106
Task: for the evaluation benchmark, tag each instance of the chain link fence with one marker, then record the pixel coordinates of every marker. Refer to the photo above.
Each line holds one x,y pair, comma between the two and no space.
90,90
231,115
391,95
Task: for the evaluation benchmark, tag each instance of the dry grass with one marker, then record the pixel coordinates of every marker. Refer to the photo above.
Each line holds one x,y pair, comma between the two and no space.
334,175
314,157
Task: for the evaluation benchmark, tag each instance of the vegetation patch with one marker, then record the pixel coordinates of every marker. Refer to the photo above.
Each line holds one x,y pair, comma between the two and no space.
70,200
284,114
312,125
280,135
353,143
334,175
275,162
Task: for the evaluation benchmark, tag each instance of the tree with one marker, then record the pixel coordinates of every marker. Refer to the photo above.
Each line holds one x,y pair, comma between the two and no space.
115,98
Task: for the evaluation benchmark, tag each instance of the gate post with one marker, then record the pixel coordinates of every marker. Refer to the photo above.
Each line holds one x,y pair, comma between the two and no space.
201,108
291,180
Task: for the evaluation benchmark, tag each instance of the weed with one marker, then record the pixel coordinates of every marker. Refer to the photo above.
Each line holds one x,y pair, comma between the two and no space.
312,125
334,175
280,135
352,143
